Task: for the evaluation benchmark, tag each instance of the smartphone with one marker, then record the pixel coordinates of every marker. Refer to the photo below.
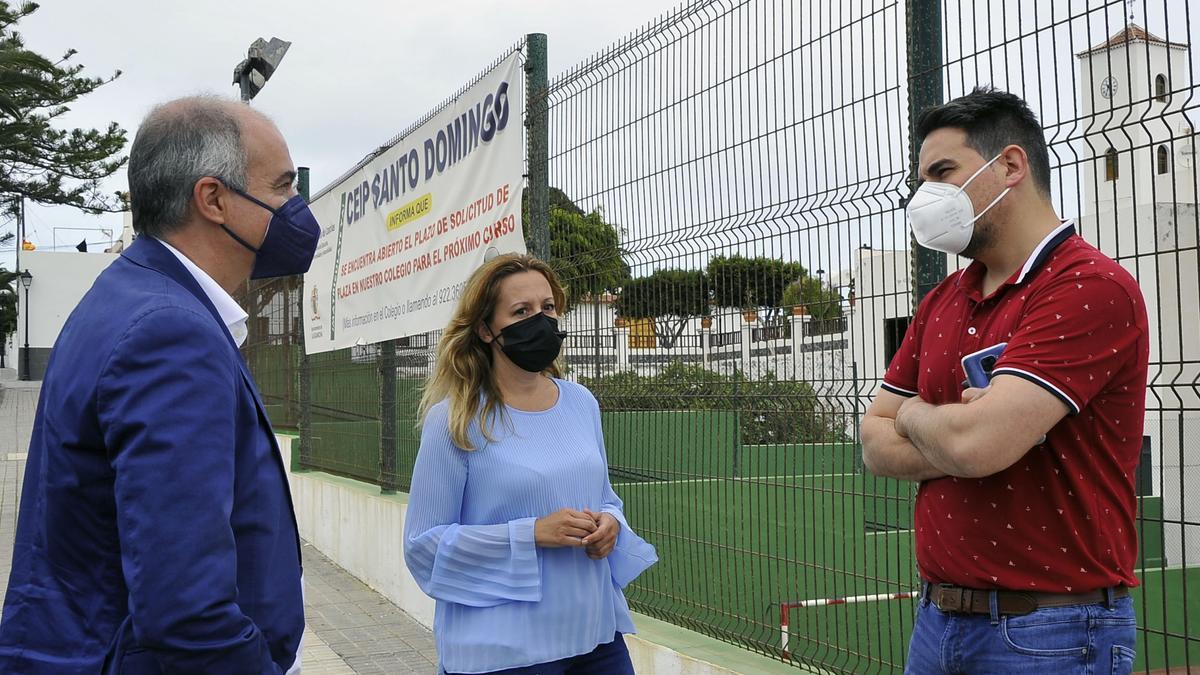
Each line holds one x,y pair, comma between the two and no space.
978,365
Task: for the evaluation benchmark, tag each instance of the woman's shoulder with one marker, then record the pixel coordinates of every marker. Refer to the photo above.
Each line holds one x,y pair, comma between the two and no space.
435,429
438,413
573,391
436,423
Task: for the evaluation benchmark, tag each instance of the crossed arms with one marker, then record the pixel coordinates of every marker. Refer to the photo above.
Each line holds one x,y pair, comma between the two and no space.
910,439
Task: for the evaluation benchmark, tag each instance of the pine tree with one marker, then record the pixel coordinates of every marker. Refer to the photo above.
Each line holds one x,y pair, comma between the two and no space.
39,161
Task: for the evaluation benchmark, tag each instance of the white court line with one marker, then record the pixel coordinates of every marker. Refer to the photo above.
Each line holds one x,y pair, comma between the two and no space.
872,534
740,479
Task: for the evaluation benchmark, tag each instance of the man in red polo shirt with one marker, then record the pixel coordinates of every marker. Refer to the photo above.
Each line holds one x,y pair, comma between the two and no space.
1025,534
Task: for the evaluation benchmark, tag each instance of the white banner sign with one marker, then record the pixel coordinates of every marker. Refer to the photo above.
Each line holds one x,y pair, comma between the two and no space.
400,236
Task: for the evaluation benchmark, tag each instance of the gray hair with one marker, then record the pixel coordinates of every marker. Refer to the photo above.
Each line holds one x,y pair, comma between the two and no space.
179,143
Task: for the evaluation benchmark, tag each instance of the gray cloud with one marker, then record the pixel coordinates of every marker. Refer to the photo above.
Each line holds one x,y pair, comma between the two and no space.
356,74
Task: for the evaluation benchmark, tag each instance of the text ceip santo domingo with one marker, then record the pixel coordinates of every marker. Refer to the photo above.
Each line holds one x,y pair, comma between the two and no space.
479,124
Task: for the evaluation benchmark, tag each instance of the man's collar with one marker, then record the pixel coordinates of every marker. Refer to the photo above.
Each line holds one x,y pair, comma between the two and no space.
233,316
1059,235
971,277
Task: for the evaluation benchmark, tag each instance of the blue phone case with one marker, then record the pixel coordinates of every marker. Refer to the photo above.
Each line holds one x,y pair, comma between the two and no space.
978,365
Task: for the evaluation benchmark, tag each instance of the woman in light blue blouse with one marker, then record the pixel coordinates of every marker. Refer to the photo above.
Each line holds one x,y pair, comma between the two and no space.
512,524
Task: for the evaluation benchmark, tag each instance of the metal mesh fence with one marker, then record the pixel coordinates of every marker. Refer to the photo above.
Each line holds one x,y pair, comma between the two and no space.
725,204
273,345
746,151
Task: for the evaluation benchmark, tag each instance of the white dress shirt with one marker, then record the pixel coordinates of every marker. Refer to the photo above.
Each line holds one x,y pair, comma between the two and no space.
231,313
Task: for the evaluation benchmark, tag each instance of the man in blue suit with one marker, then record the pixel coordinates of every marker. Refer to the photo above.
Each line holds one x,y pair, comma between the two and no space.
156,531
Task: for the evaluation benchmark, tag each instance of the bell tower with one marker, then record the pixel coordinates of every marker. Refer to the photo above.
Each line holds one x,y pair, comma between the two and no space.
1141,147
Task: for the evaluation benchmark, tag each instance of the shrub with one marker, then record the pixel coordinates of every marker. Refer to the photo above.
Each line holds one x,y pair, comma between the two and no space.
769,410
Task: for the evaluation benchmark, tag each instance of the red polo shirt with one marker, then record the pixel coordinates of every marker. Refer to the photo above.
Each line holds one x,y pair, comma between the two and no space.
1061,519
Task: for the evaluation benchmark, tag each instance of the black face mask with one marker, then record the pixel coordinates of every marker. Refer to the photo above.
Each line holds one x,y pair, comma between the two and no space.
532,343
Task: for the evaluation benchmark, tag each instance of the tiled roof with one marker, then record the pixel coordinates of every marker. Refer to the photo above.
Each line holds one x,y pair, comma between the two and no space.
1131,33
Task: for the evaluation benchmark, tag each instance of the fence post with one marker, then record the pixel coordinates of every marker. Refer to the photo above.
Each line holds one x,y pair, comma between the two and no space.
622,338
797,324
537,88
305,416
747,344
924,90
388,442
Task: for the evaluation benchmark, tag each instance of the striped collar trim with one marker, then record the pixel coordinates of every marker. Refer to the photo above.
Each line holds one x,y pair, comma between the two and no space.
1059,235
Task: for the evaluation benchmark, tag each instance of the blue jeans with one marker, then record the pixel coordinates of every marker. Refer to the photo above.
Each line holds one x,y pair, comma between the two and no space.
609,658
1092,639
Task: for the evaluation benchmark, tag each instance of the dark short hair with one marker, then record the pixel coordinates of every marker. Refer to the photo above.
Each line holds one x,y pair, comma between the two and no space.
993,119
178,144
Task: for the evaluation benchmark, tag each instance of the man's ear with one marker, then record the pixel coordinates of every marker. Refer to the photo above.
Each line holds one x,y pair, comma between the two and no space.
210,199
1015,163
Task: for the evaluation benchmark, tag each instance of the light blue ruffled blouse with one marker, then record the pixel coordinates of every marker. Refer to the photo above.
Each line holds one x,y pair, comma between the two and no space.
503,602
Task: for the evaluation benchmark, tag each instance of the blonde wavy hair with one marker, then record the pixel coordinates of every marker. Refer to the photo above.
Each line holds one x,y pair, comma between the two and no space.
463,369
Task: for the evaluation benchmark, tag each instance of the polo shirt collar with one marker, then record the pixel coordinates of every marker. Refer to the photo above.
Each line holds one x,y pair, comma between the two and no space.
972,275
1042,252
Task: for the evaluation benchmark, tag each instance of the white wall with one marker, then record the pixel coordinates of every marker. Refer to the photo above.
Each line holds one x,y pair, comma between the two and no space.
883,290
60,281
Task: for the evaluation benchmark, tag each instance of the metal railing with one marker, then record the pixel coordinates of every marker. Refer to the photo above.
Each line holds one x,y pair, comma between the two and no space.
776,332
825,326
726,339
589,340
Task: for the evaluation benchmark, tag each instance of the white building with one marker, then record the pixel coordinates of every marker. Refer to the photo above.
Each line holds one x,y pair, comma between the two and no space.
785,346
1139,206
59,281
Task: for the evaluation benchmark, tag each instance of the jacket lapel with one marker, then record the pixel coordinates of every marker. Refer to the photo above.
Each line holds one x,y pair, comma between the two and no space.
150,253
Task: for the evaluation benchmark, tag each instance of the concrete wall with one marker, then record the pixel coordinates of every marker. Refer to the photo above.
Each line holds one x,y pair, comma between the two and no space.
60,281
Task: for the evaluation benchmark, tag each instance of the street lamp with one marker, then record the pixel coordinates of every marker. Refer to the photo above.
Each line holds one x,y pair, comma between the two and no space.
26,279
262,58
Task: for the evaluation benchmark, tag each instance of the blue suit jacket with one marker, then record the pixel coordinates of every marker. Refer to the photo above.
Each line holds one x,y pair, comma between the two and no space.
156,531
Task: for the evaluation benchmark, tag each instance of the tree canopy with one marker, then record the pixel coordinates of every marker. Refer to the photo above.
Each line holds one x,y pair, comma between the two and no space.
8,305
751,283
670,297
585,249
38,160
819,300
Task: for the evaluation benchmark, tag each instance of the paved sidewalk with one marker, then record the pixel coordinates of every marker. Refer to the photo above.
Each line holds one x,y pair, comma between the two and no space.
351,628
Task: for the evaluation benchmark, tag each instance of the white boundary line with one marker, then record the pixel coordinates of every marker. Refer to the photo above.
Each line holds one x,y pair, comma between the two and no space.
872,534
741,479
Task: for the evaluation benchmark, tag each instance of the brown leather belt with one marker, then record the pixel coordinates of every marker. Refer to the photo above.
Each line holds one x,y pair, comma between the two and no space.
959,600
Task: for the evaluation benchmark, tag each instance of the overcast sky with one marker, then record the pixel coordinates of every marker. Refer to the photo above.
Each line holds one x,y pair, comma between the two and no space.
357,73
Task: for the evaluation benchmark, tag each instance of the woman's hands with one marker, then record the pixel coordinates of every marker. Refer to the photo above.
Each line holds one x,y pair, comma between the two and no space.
597,532
564,527
601,542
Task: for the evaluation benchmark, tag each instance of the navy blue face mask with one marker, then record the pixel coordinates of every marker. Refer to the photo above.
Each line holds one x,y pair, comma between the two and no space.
291,240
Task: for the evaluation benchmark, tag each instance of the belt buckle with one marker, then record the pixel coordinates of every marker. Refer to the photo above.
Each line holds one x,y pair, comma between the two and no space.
950,598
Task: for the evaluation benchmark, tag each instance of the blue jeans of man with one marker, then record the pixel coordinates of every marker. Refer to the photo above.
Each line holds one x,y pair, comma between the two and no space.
1094,639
